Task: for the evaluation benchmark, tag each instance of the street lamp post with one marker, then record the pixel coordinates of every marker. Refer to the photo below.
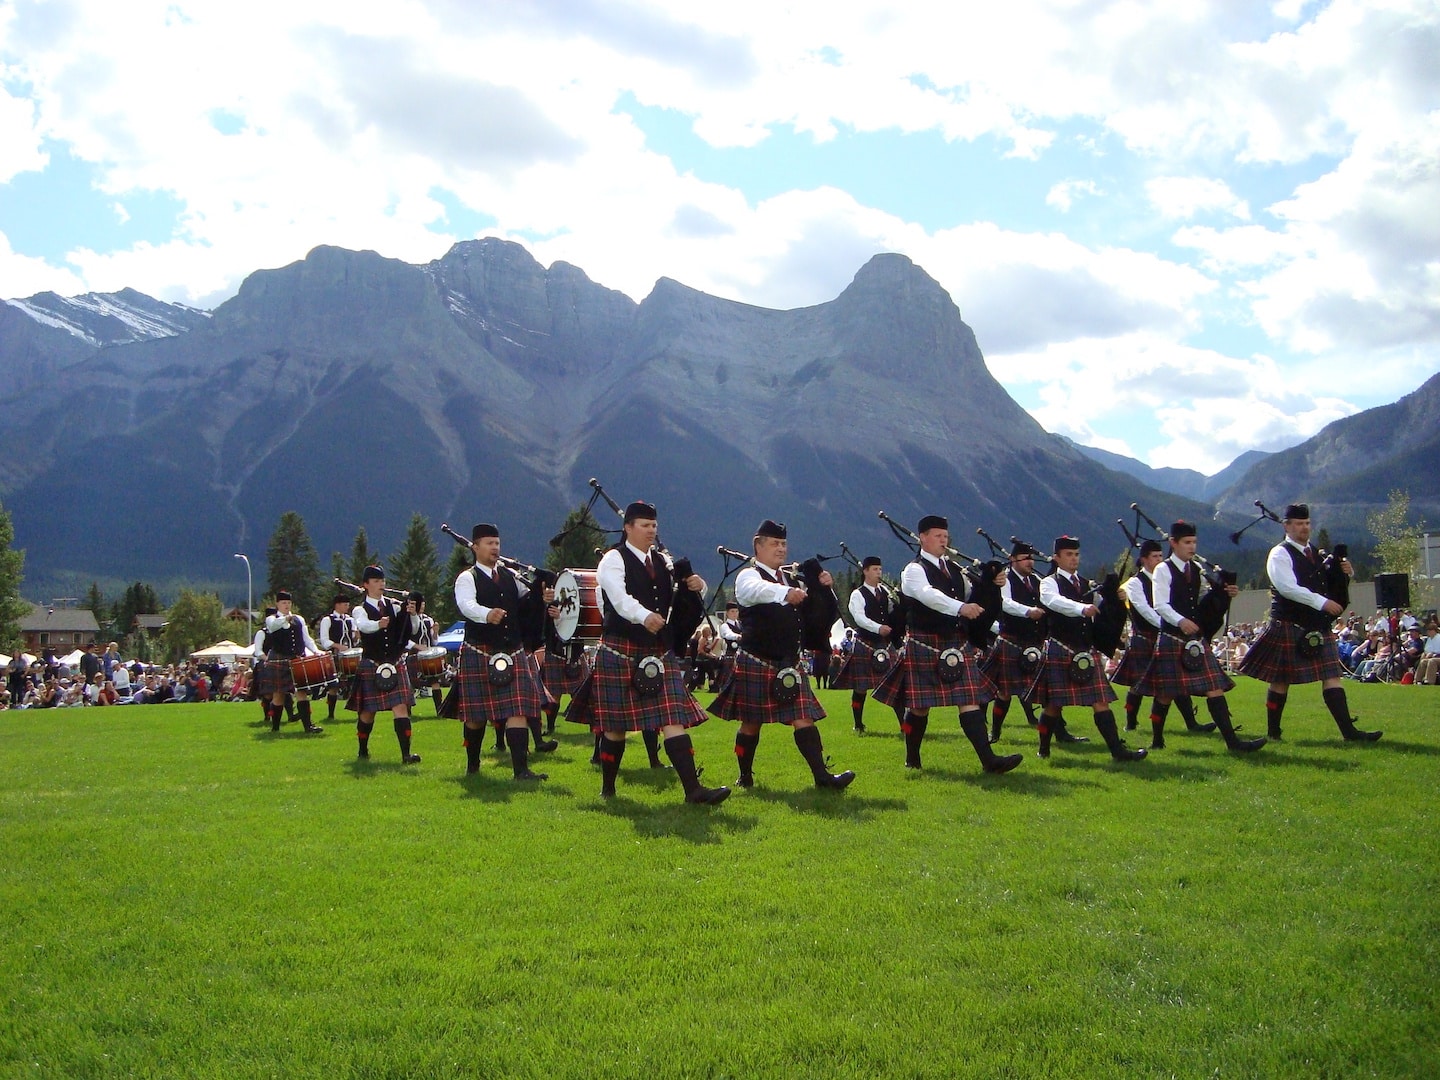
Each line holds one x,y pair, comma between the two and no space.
249,599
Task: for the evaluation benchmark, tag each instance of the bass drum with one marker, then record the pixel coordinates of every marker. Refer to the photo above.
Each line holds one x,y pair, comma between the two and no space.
577,595
312,672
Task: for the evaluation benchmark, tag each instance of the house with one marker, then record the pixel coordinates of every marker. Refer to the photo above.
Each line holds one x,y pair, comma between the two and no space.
62,629
151,626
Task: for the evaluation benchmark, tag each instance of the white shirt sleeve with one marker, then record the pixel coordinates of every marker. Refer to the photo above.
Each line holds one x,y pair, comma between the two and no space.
1160,590
1135,593
1052,598
857,612
1282,576
914,584
1009,605
465,601
727,634
325,642
752,589
610,576
363,622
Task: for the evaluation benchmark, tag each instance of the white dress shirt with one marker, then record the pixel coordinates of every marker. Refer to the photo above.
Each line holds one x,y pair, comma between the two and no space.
914,584
1282,575
1052,598
465,601
857,609
1009,605
279,622
1160,591
751,588
1135,593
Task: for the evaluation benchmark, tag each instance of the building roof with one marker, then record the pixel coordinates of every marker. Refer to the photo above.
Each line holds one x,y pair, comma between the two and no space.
43,620
150,622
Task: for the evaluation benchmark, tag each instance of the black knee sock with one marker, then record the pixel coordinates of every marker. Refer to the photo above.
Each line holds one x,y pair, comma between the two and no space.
1047,726
402,735
303,707
857,707
552,712
1159,710
330,700
1275,709
362,732
652,747
745,746
1339,707
1132,710
611,753
914,728
536,732
812,749
499,736
474,743
997,717
1030,717
518,739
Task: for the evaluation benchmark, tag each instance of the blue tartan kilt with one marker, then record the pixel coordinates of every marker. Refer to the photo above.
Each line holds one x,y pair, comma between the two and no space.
558,679
914,682
607,701
748,697
477,702
858,670
1002,667
1275,657
1166,675
533,665
1054,686
272,677
366,697
1138,652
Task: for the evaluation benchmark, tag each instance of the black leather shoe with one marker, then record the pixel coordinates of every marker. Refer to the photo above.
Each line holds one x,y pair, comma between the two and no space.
1356,735
1124,753
1203,729
1246,746
1157,742
314,729
410,759
529,774
1066,735
1004,764
837,781
708,796
546,746
745,781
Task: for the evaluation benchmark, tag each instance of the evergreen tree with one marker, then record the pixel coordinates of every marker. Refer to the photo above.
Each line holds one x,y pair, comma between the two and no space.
442,605
194,621
360,557
416,565
96,603
138,599
295,567
12,565
582,536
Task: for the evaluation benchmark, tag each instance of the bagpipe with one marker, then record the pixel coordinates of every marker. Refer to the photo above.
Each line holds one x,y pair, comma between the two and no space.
1334,581
1109,625
896,618
984,589
821,606
1213,607
401,626
530,618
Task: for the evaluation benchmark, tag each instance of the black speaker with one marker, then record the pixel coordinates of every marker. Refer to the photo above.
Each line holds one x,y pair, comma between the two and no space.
1392,590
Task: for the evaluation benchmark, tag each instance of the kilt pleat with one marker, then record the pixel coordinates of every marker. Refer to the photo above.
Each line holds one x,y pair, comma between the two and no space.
478,703
1138,652
606,700
914,682
858,670
1167,677
366,697
558,679
1003,668
272,677
1054,686
1275,657
748,695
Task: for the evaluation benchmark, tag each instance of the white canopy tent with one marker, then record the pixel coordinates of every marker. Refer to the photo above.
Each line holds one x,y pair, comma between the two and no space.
226,651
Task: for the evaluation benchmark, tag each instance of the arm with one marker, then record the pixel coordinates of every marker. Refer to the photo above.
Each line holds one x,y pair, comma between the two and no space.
1160,589
465,601
914,584
325,642
752,589
1135,593
1051,597
1282,576
610,576
1009,605
858,616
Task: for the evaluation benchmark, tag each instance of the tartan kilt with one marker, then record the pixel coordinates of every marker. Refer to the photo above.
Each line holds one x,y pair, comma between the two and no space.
272,677
366,697
1166,675
474,702
606,700
557,680
1054,686
1138,652
546,698
1275,657
914,682
857,670
1002,668
747,697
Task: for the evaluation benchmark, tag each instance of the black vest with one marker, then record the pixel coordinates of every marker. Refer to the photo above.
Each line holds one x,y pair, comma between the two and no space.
1137,621
1308,575
284,642
1019,628
877,609
1184,590
654,594
771,631
342,630
1072,631
383,646
926,620
502,593
427,635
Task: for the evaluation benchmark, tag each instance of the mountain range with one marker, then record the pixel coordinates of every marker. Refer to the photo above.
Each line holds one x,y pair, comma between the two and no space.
358,389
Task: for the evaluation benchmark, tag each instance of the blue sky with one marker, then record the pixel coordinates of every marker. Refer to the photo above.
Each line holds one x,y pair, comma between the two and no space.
1178,231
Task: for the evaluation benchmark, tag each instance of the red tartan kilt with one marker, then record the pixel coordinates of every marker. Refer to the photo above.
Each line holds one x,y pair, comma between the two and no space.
1166,676
1054,686
858,671
1002,668
1275,657
533,666
747,696
366,696
477,702
272,677
915,683
557,680
1137,658
607,701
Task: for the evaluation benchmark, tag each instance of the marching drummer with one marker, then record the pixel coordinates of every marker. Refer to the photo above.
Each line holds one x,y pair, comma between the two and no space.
337,634
286,637
424,640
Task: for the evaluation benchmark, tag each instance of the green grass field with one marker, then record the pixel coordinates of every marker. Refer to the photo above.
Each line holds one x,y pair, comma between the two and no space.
186,894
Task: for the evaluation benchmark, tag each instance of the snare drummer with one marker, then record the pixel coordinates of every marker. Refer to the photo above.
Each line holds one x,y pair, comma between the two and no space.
425,636
337,633
494,684
385,628
771,602
286,637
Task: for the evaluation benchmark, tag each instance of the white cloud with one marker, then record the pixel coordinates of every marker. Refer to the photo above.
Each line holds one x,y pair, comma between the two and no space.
1062,195
1184,197
19,143
23,275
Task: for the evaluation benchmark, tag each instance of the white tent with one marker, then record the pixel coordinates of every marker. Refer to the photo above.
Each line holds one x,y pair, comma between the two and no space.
72,660
223,650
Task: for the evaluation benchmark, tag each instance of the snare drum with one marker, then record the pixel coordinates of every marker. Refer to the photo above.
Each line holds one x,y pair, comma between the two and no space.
428,665
347,662
577,595
312,672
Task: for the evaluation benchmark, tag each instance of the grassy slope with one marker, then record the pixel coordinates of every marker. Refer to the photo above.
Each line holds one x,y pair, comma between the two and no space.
186,894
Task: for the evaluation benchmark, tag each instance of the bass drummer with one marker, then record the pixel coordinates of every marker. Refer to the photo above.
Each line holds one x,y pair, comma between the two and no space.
337,634
383,682
286,637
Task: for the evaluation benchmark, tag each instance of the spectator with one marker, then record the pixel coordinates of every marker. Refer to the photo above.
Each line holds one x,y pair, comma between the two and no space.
120,676
1428,670
90,664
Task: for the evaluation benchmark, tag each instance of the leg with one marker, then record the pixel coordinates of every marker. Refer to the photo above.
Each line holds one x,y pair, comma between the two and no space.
401,717
1275,699
1335,701
1105,724
474,743
682,755
364,724
807,741
747,741
1186,707
1132,709
542,744
857,708
997,717
972,723
915,724
517,737
1159,710
303,707
612,750
1220,713
652,747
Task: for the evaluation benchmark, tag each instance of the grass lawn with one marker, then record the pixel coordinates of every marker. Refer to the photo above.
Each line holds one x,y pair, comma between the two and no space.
186,894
